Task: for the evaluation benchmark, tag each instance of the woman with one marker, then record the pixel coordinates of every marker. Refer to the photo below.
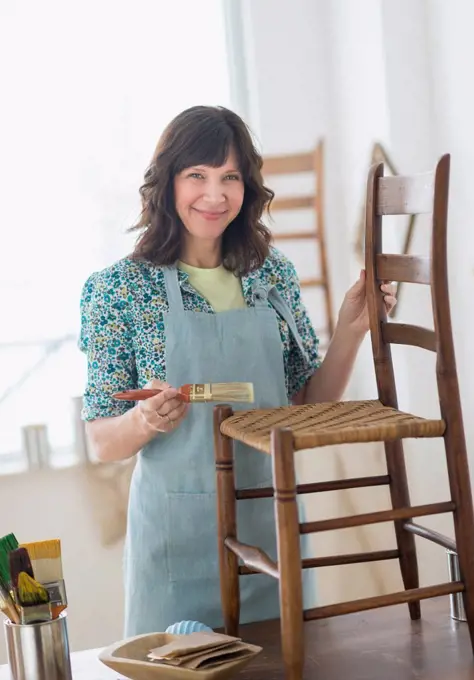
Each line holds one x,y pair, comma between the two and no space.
203,298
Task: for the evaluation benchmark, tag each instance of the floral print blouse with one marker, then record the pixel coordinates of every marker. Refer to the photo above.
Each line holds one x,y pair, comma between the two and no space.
128,298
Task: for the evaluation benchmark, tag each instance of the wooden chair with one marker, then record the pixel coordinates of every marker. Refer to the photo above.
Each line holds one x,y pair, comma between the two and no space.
296,164
282,431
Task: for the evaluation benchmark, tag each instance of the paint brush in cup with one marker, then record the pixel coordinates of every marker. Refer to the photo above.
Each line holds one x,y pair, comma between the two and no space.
199,392
33,600
7,544
19,561
48,570
7,604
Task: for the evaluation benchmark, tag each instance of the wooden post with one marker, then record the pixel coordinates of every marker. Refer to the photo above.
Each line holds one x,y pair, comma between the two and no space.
226,523
387,390
289,553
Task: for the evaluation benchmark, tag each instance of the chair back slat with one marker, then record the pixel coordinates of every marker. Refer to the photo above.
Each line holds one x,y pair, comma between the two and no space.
408,334
399,195
288,164
406,268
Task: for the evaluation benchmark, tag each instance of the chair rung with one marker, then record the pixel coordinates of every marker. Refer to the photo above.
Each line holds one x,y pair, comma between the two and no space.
376,517
367,603
335,560
295,235
289,164
317,487
352,558
254,558
408,334
292,203
310,283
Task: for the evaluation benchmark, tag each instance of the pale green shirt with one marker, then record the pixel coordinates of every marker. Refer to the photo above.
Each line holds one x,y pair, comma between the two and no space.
220,287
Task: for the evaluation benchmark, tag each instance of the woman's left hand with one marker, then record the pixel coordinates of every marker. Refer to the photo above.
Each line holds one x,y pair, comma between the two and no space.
354,314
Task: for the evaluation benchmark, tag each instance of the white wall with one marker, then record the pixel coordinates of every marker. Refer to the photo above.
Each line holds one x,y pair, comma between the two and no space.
451,51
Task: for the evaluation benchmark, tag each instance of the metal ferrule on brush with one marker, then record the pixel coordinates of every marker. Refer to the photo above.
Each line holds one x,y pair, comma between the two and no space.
57,593
36,613
200,392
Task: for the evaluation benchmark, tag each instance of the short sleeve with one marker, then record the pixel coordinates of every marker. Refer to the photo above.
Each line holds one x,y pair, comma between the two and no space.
106,340
301,365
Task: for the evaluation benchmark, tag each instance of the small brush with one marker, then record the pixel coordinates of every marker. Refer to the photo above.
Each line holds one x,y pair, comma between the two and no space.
19,561
7,604
48,570
7,544
33,600
199,392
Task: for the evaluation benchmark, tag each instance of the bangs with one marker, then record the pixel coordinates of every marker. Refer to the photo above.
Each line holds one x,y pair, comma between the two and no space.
209,144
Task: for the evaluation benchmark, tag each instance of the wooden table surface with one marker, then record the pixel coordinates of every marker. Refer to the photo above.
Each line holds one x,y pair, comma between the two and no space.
377,645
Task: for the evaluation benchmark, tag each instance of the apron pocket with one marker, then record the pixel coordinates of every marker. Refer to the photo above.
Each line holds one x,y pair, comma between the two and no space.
192,537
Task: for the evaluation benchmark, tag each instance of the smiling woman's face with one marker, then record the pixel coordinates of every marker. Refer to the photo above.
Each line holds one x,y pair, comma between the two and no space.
208,199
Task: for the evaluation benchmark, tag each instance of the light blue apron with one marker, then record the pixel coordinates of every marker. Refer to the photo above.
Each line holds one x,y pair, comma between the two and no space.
170,560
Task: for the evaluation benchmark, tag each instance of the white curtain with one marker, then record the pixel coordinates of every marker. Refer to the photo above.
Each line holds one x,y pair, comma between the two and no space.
87,87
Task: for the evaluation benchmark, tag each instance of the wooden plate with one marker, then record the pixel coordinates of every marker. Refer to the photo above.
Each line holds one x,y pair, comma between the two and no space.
129,658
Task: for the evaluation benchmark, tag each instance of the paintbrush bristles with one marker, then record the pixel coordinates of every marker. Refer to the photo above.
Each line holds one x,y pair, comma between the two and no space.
234,392
46,560
30,592
41,550
7,544
19,561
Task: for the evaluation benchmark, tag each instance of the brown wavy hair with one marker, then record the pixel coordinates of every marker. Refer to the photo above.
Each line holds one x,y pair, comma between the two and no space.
203,135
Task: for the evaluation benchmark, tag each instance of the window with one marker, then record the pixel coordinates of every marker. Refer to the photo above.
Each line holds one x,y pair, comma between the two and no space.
88,89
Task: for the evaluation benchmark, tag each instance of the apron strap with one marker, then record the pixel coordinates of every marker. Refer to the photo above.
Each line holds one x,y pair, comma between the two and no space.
282,308
173,289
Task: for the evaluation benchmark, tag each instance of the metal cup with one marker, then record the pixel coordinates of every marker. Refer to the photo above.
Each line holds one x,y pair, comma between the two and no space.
455,599
39,651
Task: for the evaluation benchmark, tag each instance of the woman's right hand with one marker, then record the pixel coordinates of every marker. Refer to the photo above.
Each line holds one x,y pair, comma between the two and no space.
165,411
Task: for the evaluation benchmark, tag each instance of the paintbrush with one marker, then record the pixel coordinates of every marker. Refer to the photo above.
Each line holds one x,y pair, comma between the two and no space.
7,544
198,392
19,561
7,603
48,570
33,600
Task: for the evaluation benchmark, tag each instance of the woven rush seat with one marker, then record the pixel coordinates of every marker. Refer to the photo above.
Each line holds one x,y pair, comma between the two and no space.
329,423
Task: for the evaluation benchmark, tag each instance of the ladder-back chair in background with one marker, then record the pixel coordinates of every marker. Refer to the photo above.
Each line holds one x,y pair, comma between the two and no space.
282,431
297,164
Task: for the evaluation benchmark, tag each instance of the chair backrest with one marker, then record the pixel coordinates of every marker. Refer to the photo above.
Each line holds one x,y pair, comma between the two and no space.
293,164
425,193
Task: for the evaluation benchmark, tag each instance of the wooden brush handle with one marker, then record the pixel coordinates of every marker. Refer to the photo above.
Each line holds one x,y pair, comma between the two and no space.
136,395
140,395
56,610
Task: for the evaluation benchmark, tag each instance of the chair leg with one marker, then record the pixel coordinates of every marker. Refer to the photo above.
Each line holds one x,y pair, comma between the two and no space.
461,493
226,523
289,554
405,541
